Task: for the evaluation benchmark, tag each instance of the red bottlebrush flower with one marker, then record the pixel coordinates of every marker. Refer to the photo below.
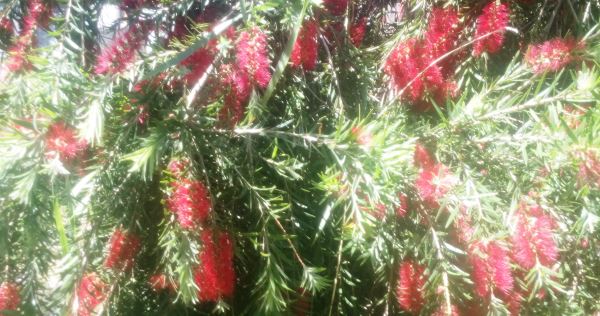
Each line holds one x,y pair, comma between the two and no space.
433,183
160,282
409,290
493,19
123,247
422,158
252,56
357,32
190,201
589,170
9,297
115,58
215,276
440,38
403,65
90,294
306,47
240,89
444,311
197,63
402,208
491,268
533,239
17,60
336,7
550,56
62,143
6,26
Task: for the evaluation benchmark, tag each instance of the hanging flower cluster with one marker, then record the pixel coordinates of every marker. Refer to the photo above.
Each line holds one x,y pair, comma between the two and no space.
357,32
409,290
252,56
414,67
402,207
491,25
9,297
90,294
123,247
6,26
215,276
552,55
491,269
119,55
336,7
190,202
63,143
533,238
17,60
306,47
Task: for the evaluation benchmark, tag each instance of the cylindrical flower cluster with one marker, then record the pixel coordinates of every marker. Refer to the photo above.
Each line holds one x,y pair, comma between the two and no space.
409,290
90,294
9,297
491,25
215,276
123,247
116,57
63,143
306,47
533,238
552,55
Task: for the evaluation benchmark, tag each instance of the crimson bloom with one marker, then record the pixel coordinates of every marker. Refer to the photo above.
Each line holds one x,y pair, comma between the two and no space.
123,247
490,27
402,207
336,7
9,297
551,56
491,268
90,294
357,32
190,202
116,57
252,56
239,91
63,143
533,238
215,276
433,183
409,290
306,47
17,60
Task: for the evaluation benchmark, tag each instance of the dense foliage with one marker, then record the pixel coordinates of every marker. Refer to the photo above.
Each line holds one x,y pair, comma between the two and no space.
349,157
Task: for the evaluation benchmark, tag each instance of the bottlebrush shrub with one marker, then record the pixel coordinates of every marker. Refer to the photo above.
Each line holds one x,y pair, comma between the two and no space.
319,157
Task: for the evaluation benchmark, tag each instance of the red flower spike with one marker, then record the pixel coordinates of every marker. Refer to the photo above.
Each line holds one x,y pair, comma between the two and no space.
6,26
491,268
17,60
533,239
190,202
240,89
433,183
252,56
198,63
494,19
409,290
551,56
403,65
463,227
215,276
9,297
306,47
422,158
122,250
62,143
116,57
441,37
357,32
90,293
402,208
336,7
